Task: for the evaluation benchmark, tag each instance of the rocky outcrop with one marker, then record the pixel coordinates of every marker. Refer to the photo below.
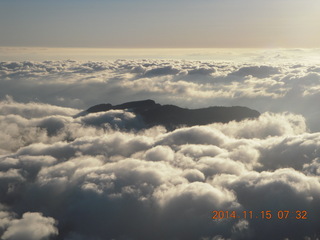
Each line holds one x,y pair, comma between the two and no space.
172,116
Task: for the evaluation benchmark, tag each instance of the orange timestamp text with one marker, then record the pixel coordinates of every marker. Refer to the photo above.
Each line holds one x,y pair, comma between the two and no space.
281,214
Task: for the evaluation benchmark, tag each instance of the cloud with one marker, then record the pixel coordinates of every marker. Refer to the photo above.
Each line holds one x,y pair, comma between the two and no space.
283,189
201,71
103,176
167,70
193,135
115,119
276,87
31,226
256,71
89,180
33,109
267,125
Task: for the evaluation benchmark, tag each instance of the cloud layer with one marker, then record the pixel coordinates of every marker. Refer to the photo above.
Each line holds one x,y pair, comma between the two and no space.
105,176
102,176
275,87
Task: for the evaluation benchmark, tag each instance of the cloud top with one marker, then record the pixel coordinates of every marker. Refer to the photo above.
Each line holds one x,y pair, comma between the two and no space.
104,176
75,179
274,87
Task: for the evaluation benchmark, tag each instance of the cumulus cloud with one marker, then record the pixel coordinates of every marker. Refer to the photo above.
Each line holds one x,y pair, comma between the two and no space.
267,125
90,182
275,87
256,71
283,189
31,226
104,176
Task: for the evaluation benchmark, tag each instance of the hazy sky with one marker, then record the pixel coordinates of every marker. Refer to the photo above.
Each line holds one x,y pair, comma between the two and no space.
177,23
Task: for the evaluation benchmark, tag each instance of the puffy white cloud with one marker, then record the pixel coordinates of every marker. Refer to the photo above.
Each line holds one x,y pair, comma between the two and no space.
160,153
275,87
31,226
267,125
194,135
95,178
103,176
5,219
33,109
194,175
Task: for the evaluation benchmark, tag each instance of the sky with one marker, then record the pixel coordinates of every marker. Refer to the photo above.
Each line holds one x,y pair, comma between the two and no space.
158,24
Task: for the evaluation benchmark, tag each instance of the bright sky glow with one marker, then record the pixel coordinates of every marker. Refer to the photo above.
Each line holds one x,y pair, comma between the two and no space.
158,24
262,55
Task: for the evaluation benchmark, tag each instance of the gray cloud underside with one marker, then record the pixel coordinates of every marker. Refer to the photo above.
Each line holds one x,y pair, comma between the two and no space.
85,178
275,87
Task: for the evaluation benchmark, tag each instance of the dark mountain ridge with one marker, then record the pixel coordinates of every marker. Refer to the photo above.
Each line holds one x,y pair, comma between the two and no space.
172,116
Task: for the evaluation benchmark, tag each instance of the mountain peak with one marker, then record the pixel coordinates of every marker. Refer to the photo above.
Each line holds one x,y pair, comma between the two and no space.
172,116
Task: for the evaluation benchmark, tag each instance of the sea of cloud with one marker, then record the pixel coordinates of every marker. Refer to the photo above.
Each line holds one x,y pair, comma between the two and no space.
275,87
104,175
